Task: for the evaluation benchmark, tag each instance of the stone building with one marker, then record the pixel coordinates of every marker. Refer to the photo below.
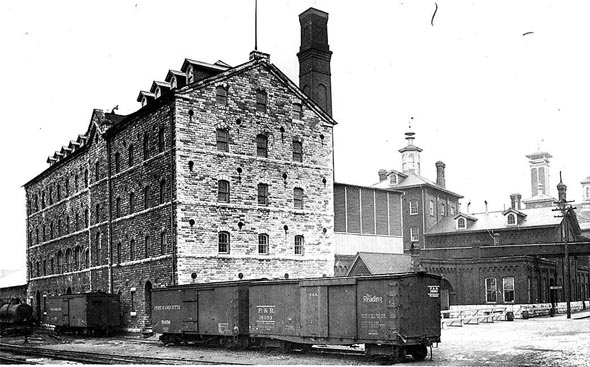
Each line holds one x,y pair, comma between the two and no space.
424,203
224,173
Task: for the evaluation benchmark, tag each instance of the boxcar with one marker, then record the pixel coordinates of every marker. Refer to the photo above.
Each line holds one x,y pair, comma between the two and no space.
391,314
84,313
208,313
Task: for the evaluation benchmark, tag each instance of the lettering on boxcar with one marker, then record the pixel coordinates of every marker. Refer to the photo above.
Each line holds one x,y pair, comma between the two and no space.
223,328
165,322
433,291
166,307
56,309
367,298
265,319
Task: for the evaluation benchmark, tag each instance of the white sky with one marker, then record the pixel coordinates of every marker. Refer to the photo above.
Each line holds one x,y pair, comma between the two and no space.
482,95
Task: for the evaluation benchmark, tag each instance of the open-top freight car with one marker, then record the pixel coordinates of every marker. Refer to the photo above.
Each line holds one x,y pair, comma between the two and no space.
87,313
392,315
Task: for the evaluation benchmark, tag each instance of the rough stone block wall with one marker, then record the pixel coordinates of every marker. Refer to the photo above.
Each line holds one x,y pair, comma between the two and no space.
200,166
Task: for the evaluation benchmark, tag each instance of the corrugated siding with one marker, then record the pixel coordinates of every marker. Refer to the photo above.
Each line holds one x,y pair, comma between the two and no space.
368,210
381,210
395,213
353,207
339,209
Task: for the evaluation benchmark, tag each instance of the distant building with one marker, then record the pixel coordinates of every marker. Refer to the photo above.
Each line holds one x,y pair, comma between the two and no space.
424,203
223,173
372,263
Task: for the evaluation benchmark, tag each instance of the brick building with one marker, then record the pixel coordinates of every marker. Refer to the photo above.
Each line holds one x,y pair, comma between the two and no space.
424,203
463,250
223,173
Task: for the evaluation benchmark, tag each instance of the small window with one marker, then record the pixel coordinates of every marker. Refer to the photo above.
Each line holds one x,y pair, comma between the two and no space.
131,156
297,111
263,243
58,192
491,290
222,140
146,197
221,95
452,211
119,253
297,151
173,82
262,194
67,187
414,234
158,92
77,224
431,208
262,145
85,178
443,209
298,198
413,207
511,219
146,246
86,218
76,179
97,214
393,179
223,243
96,249
299,243
131,202
161,144
117,207
162,191
132,250
163,243
86,259
50,196
508,286
260,101
96,171
461,223
117,162
223,191
146,146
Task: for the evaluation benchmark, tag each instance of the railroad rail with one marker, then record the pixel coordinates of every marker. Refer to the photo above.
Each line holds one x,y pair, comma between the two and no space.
99,358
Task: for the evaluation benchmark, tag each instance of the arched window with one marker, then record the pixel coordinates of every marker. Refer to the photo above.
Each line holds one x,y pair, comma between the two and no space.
297,111
431,208
67,187
146,146
173,82
96,251
58,192
96,171
146,246
190,74
222,136
158,92
511,219
77,258
86,222
117,207
119,253
86,258
299,244
97,214
262,194
223,243
262,145
263,243
223,191
461,223
86,178
221,95
443,210
146,197
298,198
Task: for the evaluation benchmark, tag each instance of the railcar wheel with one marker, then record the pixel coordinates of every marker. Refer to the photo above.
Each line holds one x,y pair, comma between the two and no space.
419,352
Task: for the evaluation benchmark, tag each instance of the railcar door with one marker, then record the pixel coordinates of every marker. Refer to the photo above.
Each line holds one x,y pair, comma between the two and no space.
65,312
190,310
314,311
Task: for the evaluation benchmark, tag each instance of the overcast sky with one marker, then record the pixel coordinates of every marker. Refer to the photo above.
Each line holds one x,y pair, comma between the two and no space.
485,81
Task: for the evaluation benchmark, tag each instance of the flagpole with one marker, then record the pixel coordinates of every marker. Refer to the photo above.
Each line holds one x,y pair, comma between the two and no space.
255,25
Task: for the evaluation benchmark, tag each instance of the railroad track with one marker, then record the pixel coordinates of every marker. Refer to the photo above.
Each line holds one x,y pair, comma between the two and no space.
98,358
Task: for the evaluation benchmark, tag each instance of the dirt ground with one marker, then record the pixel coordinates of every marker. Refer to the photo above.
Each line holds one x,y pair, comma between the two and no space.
544,341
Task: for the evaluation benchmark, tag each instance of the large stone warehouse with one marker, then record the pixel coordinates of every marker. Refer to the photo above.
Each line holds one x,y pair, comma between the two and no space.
223,173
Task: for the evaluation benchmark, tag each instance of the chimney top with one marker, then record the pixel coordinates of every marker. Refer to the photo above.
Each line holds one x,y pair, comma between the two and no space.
259,55
440,174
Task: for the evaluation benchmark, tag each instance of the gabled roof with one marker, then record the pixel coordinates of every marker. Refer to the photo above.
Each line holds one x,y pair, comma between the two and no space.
539,198
219,65
466,216
412,179
146,94
533,218
512,210
383,263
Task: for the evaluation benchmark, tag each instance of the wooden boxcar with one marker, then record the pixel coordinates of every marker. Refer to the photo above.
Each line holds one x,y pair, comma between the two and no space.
208,312
391,314
84,313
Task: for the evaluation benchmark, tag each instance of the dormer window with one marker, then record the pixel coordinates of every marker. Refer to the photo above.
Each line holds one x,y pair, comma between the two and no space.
158,92
393,179
461,223
511,219
173,82
190,74
144,101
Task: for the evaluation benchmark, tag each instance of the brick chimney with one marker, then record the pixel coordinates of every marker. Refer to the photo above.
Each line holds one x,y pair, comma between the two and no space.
518,200
382,175
314,58
440,174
